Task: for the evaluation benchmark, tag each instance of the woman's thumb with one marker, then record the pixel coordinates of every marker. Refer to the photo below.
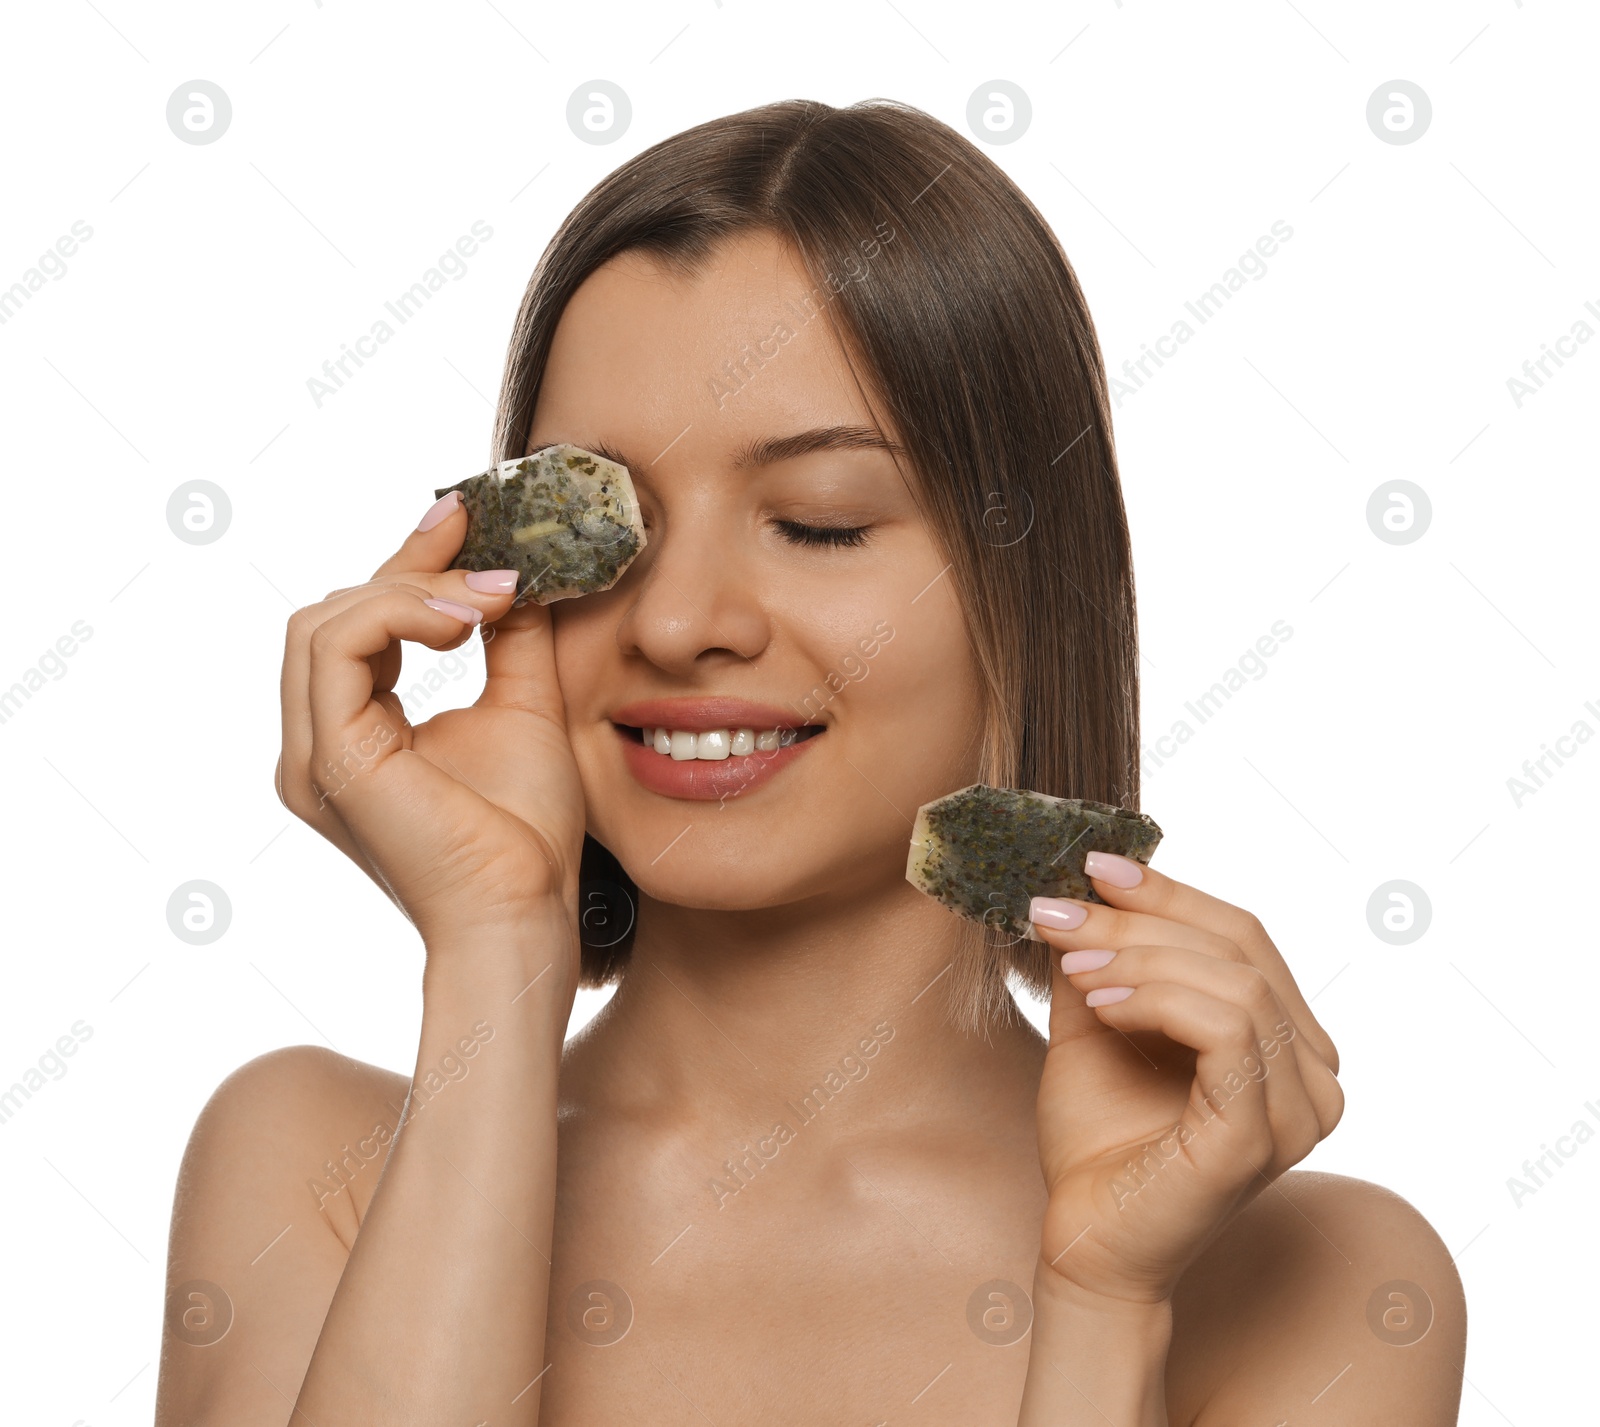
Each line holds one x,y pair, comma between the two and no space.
520,665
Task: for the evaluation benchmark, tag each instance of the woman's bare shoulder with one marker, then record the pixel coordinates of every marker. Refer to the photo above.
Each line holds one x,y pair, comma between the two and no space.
278,1171
310,1115
1326,1298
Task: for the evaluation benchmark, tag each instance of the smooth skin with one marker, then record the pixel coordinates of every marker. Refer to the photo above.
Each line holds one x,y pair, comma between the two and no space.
478,1260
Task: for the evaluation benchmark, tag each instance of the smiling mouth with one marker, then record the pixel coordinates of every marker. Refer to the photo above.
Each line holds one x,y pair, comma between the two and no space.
714,744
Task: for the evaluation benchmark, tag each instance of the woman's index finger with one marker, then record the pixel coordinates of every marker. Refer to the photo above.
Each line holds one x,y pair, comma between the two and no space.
434,543
1164,896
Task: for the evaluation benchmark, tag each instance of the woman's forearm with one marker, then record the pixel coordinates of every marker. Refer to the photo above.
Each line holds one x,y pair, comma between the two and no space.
440,1313
1092,1360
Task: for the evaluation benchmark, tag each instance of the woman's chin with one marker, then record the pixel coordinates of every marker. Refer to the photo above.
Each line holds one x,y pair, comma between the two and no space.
742,880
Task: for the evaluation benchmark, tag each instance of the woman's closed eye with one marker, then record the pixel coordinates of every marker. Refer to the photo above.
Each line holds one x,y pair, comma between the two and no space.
797,533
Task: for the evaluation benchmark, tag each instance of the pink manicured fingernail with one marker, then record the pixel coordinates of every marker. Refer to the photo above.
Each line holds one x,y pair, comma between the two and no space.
1118,871
1072,962
439,509
1056,913
492,582
1108,996
464,612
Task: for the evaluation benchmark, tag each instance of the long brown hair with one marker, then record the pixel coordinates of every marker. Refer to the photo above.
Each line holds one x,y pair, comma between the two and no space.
972,330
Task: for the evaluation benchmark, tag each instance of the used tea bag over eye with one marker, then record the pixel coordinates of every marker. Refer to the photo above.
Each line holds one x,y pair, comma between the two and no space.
565,519
984,852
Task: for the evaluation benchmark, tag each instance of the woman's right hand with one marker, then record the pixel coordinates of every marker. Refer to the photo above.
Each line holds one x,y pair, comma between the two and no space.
472,821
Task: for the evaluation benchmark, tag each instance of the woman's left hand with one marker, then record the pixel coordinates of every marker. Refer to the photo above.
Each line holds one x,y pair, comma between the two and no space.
1163,1112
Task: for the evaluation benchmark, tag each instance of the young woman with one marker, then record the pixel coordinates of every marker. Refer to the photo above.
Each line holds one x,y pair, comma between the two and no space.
809,1164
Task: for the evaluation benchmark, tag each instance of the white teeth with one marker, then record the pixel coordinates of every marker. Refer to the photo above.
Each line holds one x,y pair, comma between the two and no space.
713,744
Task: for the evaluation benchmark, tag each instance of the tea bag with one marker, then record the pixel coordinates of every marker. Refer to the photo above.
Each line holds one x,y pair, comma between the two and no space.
984,852
565,519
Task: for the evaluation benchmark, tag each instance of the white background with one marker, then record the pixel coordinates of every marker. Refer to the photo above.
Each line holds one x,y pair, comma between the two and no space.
1165,139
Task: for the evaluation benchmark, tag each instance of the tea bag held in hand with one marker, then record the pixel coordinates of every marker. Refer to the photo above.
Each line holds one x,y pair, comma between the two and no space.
986,852
565,519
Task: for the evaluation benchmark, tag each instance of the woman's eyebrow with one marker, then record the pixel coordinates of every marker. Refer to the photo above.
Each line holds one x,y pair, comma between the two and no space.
769,450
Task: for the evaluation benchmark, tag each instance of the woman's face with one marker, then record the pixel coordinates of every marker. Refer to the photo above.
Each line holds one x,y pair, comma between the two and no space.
682,381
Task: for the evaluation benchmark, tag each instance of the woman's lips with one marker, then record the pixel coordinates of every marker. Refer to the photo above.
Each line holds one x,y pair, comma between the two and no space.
705,779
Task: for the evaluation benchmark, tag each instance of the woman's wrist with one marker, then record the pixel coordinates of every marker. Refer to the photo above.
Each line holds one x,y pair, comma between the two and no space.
495,1007
529,966
1094,1357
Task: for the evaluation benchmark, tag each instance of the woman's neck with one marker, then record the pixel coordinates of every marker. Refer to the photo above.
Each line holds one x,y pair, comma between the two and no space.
729,1017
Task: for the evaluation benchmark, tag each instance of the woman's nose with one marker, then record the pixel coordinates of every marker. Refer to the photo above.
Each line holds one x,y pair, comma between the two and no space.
694,595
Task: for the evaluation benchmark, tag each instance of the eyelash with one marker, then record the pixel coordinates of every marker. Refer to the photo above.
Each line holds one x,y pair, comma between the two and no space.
839,535
819,535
